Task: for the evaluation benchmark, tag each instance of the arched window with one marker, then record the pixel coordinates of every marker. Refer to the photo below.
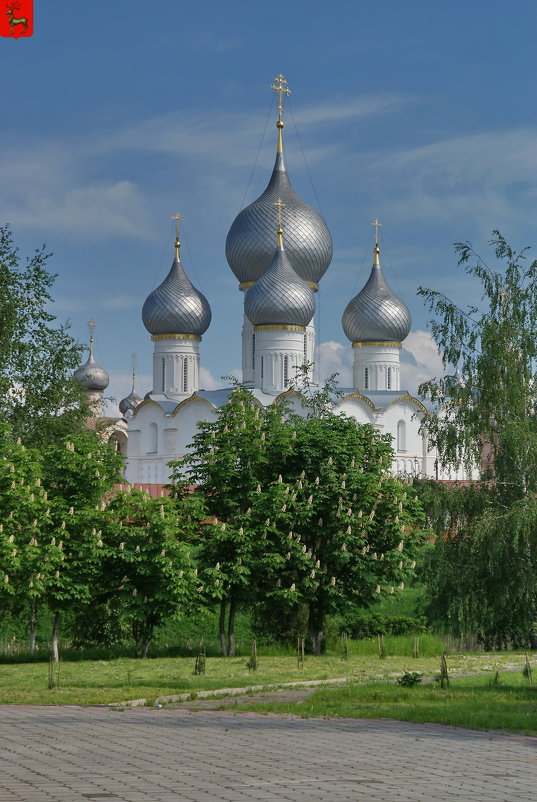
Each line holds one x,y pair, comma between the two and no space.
163,374
389,379
253,351
285,371
152,439
262,368
185,374
366,378
305,346
401,436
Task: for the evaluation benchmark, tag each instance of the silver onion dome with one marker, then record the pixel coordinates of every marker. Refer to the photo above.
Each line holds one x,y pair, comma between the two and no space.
176,306
376,313
130,402
91,375
250,241
280,297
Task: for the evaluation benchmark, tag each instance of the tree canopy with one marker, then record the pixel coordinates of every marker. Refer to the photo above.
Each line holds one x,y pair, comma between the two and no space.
39,397
482,573
307,511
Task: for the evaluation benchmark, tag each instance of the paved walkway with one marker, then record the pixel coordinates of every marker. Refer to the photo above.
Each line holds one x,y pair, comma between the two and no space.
73,754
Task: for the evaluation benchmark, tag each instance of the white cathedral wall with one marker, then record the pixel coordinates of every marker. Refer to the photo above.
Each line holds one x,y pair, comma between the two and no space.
156,438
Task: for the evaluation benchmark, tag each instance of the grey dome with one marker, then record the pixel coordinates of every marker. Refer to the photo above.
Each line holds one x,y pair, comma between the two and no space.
250,241
176,306
280,297
91,375
376,313
130,402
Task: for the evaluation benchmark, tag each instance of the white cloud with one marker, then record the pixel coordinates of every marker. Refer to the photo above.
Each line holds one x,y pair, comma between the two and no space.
208,381
420,361
333,357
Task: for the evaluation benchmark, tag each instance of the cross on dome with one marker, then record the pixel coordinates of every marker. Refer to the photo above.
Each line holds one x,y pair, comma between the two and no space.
177,217
280,86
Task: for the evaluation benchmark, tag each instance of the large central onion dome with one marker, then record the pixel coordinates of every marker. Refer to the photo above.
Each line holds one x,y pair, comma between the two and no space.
280,297
176,306
376,314
250,241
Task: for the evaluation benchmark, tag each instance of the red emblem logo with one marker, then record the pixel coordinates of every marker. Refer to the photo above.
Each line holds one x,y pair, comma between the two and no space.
18,19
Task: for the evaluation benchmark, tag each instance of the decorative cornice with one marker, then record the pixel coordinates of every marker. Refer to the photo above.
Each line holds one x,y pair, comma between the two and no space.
144,403
189,400
287,393
175,337
378,343
360,397
408,397
279,327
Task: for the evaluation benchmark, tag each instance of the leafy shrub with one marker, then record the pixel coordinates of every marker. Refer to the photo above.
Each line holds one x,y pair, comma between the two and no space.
364,624
409,679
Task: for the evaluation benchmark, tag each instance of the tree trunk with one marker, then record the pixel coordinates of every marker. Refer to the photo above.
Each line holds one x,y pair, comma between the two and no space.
32,627
316,627
55,637
317,641
223,642
231,628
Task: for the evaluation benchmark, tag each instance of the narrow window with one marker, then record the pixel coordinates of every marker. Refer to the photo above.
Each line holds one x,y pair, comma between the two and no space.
262,369
366,378
305,346
185,375
153,439
285,371
389,379
253,351
401,436
163,374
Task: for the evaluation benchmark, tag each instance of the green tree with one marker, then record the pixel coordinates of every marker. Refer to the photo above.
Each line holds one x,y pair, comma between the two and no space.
489,409
148,571
78,472
308,514
39,397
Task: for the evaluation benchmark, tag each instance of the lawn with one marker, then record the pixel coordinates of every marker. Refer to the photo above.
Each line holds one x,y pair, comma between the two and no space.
105,681
477,703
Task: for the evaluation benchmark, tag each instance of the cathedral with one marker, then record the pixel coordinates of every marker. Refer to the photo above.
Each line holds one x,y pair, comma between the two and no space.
278,248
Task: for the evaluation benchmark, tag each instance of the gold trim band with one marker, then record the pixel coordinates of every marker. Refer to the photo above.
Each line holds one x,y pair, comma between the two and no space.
377,344
175,337
280,326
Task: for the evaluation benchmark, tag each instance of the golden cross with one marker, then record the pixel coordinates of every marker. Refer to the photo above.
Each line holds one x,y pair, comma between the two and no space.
280,86
177,217
280,204
377,225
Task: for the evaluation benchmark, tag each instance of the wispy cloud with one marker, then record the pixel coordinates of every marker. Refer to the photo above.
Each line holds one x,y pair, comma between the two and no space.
488,178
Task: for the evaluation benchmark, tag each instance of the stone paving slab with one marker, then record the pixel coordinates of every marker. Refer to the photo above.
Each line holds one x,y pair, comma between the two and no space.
75,754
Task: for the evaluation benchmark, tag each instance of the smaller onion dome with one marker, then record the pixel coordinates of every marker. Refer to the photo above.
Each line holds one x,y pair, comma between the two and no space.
91,375
280,296
131,401
376,314
176,306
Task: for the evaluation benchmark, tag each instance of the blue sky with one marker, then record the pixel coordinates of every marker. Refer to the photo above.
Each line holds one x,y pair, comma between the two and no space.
118,114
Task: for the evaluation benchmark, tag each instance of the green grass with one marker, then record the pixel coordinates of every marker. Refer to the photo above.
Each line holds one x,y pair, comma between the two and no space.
476,703
105,681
